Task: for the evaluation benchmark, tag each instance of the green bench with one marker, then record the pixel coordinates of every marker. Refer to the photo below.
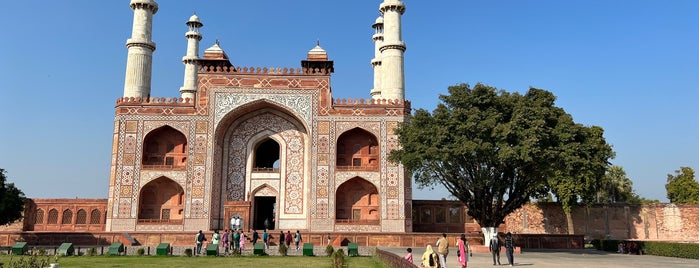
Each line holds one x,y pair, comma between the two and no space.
19,248
163,249
66,249
307,249
116,248
212,250
352,249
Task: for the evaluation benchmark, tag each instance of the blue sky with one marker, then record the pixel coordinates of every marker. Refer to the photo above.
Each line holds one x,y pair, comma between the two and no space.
629,66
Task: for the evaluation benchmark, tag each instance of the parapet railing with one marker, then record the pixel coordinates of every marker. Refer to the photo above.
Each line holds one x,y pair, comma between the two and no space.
264,70
153,101
393,260
358,168
387,102
357,222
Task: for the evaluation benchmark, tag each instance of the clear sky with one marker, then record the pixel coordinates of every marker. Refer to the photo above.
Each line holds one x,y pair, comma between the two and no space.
629,66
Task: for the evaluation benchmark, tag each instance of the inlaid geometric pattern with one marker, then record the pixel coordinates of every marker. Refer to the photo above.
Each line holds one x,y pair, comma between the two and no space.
201,127
237,160
323,143
131,126
323,127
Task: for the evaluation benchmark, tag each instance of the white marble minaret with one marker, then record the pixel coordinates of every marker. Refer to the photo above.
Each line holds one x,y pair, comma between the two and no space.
189,87
139,63
392,48
376,61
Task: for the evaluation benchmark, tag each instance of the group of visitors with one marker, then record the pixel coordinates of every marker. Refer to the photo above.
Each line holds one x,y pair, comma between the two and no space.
234,240
629,248
438,259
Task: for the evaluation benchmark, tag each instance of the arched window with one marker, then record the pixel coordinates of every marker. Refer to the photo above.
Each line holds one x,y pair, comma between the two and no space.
67,217
266,154
356,202
95,216
81,217
158,199
39,219
165,148
364,153
53,216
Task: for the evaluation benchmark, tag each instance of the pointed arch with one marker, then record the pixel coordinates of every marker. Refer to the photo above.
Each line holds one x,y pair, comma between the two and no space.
39,219
357,149
95,216
356,201
53,216
81,217
67,217
164,148
160,201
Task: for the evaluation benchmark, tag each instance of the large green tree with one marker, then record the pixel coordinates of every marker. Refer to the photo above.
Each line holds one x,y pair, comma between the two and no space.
11,201
583,156
491,149
616,187
682,188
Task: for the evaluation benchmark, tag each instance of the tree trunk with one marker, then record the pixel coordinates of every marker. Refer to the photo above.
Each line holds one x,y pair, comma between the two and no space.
569,220
488,233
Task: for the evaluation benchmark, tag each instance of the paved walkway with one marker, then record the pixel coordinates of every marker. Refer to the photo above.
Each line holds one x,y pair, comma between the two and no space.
560,258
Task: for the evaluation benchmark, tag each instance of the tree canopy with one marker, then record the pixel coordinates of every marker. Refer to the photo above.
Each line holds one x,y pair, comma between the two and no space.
11,201
682,188
493,150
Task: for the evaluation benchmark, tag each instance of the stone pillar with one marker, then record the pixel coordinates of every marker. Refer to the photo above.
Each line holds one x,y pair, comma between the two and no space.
392,73
189,86
139,62
376,61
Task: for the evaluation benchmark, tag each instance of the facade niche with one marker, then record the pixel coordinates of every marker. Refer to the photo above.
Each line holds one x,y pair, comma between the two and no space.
357,202
165,148
161,201
267,156
357,149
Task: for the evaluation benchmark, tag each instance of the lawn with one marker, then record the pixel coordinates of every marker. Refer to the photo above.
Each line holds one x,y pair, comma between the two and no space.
208,262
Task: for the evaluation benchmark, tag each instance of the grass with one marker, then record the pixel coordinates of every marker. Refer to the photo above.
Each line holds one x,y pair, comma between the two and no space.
208,262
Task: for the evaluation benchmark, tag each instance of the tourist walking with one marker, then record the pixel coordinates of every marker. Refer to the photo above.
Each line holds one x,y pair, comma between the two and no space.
430,258
281,238
199,240
242,241
265,238
409,257
510,248
443,250
288,239
494,248
255,236
297,239
464,251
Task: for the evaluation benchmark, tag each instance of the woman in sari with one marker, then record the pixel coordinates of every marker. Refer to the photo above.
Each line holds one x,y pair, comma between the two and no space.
429,258
464,251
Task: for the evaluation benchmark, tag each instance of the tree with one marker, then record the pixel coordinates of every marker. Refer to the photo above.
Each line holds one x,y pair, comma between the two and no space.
491,149
682,188
581,164
11,201
616,187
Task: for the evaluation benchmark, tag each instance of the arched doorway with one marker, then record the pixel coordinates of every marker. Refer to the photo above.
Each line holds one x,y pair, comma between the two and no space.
165,148
357,202
162,201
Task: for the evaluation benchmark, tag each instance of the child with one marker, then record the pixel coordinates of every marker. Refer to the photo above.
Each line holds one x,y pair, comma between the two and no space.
409,256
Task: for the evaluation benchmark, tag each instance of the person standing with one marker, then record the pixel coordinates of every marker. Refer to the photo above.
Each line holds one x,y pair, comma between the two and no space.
265,238
224,239
242,241
297,239
429,258
443,250
494,248
199,240
510,248
288,239
464,251
236,241
216,238
255,236
281,238
409,257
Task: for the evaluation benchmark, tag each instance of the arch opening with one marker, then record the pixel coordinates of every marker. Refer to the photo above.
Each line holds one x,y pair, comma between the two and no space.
267,156
161,201
165,148
357,149
357,202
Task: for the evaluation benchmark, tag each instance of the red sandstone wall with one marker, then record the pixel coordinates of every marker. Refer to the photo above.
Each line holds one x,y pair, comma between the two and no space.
666,222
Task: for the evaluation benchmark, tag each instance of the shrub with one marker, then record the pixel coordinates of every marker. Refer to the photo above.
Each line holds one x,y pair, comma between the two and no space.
188,252
140,252
41,251
329,250
668,249
91,251
338,258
